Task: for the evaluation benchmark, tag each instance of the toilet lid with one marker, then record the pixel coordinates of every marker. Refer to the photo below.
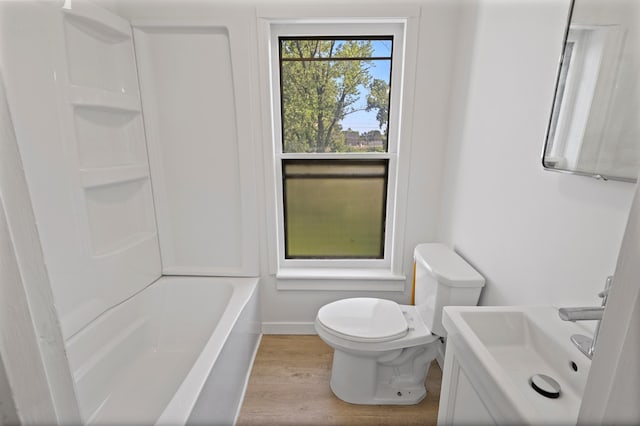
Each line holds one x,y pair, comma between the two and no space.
364,319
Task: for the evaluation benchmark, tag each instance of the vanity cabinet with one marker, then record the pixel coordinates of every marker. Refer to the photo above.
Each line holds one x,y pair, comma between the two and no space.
461,402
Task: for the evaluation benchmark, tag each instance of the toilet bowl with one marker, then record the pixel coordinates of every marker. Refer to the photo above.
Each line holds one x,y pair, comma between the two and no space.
383,350
380,363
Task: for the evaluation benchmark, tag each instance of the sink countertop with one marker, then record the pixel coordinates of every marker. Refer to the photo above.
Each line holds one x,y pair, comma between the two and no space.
512,343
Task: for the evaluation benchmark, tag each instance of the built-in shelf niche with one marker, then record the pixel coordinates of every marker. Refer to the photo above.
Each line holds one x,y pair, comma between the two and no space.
108,137
99,55
102,90
120,215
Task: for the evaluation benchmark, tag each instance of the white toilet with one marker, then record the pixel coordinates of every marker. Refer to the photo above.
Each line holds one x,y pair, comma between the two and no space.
382,349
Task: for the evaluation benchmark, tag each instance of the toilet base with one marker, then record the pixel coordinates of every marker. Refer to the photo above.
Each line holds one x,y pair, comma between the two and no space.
386,378
387,394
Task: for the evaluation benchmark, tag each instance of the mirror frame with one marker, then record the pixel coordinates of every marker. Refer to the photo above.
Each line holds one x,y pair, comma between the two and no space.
598,176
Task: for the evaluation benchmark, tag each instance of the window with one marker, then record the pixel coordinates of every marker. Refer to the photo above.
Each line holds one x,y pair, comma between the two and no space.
336,110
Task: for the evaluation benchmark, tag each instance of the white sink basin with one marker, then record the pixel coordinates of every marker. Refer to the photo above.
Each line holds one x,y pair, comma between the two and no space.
511,344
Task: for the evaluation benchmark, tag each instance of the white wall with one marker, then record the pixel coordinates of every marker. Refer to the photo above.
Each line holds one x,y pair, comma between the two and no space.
538,237
288,310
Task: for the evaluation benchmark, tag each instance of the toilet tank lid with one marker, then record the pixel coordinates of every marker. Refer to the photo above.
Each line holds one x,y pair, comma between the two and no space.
446,266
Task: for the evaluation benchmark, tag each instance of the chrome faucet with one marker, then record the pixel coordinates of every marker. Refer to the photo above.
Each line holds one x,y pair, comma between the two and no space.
581,314
584,343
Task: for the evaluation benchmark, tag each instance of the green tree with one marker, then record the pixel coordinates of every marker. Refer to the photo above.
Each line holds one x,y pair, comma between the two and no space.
378,99
319,88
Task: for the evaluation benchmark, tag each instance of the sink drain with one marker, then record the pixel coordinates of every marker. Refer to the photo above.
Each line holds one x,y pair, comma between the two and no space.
545,385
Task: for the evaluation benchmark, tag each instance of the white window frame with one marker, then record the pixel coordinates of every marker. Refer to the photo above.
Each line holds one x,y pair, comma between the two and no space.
389,268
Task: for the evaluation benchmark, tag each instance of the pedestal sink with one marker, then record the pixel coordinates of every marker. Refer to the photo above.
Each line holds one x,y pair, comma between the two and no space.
492,354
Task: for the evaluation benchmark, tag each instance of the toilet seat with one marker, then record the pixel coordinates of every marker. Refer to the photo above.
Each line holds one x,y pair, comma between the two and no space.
417,333
364,319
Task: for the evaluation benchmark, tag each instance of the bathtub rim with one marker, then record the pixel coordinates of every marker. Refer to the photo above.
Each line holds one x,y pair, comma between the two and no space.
181,405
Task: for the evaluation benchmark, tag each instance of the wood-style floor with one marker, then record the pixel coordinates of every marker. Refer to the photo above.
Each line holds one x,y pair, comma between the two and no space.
289,384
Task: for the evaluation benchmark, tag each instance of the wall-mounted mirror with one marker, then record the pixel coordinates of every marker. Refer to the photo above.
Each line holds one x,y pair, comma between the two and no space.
594,127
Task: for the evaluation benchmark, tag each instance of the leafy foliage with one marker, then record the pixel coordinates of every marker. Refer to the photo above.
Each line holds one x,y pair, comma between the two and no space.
320,87
379,99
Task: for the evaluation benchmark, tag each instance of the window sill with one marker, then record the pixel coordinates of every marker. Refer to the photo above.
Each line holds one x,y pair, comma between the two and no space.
340,280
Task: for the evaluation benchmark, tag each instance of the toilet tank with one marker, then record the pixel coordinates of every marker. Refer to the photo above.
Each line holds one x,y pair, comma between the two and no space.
443,278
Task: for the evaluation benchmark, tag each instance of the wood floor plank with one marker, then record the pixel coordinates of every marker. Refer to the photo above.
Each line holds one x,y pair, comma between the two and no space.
289,385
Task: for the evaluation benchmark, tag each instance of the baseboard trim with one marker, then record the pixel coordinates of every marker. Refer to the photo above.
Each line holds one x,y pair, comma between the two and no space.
288,328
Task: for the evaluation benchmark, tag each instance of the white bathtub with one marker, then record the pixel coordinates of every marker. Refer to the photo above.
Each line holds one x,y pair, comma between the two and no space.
178,352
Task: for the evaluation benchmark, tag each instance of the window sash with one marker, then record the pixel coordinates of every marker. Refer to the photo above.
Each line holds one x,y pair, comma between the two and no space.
368,30
283,60
371,175
336,38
